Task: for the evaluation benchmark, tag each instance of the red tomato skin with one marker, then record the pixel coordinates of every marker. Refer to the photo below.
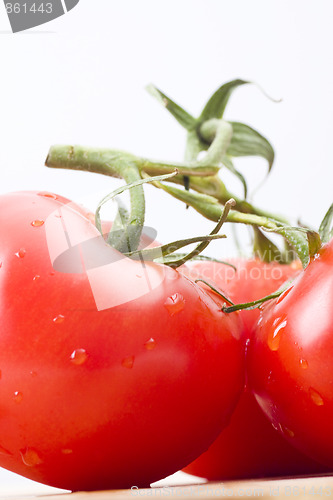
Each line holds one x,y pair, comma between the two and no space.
290,364
249,447
251,280
97,399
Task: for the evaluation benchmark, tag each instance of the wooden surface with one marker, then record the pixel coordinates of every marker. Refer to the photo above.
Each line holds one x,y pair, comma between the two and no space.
309,488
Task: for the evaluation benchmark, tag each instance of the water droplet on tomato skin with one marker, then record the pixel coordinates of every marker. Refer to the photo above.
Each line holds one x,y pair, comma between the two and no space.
30,457
66,451
35,278
287,432
79,357
21,253
37,223
316,397
18,396
303,363
275,336
174,304
270,377
45,194
150,344
128,362
59,319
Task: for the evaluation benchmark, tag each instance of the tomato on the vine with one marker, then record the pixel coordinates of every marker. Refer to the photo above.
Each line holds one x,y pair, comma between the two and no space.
290,362
114,372
249,446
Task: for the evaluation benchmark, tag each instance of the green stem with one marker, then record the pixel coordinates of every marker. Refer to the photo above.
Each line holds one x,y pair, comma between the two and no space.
203,178
211,209
115,164
111,162
220,144
100,161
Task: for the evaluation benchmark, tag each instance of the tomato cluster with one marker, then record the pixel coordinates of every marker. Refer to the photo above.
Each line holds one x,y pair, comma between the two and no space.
116,372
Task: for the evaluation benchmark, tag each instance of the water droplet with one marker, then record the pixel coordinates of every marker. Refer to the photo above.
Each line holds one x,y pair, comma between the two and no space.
150,344
37,223
30,457
287,432
52,273
174,304
275,337
0,264
284,294
59,319
35,278
3,451
47,195
33,373
128,362
270,377
18,396
21,253
316,397
66,451
0,374
304,364
79,356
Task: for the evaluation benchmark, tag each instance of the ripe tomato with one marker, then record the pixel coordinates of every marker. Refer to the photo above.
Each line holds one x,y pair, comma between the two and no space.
290,360
110,368
248,446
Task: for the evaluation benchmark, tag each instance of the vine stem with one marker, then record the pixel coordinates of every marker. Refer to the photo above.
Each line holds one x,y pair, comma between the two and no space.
203,178
116,164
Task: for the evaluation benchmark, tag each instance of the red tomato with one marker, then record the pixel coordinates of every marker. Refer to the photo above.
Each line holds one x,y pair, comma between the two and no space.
249,446
290,360
110,369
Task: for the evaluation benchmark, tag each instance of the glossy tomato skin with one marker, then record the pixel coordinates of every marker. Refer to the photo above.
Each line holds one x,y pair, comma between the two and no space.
290,360
249,446
248,280
109,369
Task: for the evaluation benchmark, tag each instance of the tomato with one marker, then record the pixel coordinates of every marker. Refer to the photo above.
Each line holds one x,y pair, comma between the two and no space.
249,446
110,368
290,360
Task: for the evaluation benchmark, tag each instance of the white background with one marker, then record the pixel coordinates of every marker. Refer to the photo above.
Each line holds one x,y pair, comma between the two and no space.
80,80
